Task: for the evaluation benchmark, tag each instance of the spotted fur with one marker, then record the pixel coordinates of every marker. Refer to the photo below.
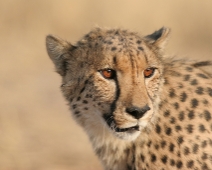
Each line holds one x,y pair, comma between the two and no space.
151,112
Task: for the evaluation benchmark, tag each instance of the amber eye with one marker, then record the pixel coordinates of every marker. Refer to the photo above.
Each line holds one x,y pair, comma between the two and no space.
108,73
149,72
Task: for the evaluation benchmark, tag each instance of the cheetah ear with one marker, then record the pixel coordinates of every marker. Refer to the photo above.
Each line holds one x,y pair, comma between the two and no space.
159,38
59,52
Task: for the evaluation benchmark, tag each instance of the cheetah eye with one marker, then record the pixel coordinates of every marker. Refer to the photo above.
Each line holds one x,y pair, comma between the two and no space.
149,72
108,73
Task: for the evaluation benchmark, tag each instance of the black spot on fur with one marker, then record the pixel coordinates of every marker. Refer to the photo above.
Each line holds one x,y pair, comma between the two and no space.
78,98
88,96
171,147
163,144
82,90
189,69
190,164
194,103
179,164
158,129
186,77
172,120
85,101
168,131
178,128
181,116
205,166
202,75
115,60
204,156
191,114
180,140
138,41
113,48
209,90
189,128
204,144
164,159
172,162
77,113
186,150
195,148
183,97
207,115
194,82
142,157
205,102
157,146
140,48
166,113
153,158
180,85
149,143
202,128
176,105
199,90
74,106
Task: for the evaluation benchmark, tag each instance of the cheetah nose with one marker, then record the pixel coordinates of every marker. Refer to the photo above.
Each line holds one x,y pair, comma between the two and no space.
137,112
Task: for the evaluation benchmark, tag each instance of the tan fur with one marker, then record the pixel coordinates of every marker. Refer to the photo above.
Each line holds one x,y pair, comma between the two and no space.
174,130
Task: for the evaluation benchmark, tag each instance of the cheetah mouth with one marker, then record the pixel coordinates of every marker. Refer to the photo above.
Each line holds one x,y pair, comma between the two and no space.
133,128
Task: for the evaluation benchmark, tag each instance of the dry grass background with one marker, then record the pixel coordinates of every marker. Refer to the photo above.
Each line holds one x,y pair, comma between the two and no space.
36,129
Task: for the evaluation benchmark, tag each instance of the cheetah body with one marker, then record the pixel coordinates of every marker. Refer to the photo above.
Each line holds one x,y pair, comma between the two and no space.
137,122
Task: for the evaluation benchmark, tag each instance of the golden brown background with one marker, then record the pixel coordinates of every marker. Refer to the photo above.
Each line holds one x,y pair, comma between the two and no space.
36,128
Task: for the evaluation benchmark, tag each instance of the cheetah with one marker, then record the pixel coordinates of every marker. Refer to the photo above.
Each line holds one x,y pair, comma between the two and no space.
141,110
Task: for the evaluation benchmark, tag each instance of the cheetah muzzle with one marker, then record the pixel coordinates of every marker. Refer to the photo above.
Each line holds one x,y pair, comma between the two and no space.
140,109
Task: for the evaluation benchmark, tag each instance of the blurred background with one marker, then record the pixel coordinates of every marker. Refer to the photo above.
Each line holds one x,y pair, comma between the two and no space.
37,131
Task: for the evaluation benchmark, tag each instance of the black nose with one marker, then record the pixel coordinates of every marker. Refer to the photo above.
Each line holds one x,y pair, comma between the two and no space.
137,112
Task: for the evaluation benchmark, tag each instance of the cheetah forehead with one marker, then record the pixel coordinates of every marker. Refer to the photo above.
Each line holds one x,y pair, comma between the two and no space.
91,50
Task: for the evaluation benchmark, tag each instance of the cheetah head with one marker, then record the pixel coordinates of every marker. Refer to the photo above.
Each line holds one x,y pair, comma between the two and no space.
111,79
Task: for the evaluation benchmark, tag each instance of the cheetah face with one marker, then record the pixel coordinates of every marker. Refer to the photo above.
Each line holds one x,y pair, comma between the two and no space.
111,79
125,91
